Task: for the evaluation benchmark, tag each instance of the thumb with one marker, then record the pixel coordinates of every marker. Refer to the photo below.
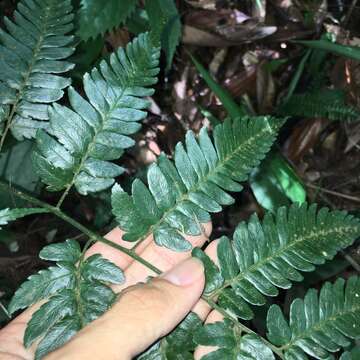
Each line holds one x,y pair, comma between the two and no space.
143,314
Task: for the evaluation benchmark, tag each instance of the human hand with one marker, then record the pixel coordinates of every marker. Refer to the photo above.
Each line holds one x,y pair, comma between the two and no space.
143,313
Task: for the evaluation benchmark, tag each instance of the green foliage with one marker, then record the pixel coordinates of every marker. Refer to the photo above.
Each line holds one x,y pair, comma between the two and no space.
32,52
165,26
161,17
275,183
7,215
233,109
181,197
352,52
265,256
76,291
226,336
328,104
82,140
79,146
179,344
96,16
16,168
319,324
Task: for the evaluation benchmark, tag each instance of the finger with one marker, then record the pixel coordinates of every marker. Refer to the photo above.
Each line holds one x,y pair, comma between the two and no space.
143,314
161,257
201,350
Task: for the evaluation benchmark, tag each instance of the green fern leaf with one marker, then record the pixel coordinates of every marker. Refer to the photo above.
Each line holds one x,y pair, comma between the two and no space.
328,104
7,215
180,197
320,324
96,16
231,345
76,291
31,53
165,26
266,256
83,139
179,344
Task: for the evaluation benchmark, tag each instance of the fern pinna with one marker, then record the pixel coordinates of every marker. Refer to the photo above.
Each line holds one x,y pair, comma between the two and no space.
267,255
180,197
83,139
320,324
97,17
32,54
327,103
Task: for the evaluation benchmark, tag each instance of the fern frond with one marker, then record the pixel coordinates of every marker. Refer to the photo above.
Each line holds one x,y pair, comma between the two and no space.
226,336
181,196
76,290
7,215
329,104
320,324
266,256
96,16
83,139
31,53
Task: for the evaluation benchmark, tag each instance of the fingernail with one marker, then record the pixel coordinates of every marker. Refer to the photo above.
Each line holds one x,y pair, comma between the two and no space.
185,273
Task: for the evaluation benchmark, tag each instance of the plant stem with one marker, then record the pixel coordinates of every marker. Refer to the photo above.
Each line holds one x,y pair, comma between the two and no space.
92,235
95,237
